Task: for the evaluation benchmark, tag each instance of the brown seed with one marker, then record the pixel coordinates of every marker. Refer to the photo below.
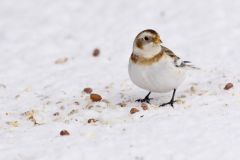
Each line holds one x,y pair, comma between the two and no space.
64,133
87,90
134,110
144,106
96,52
92,120
228,86
95,97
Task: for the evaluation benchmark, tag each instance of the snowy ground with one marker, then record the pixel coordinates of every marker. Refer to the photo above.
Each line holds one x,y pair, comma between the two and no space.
33,89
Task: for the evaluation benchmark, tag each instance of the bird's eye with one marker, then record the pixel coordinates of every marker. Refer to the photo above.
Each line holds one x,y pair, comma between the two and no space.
146,38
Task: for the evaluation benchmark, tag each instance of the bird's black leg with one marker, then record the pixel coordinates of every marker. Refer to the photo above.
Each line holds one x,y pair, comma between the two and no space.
171,101
146,99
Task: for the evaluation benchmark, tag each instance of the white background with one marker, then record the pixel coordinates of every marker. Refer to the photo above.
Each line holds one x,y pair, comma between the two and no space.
205,123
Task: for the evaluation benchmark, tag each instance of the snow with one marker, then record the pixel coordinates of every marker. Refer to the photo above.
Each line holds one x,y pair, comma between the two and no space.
34,34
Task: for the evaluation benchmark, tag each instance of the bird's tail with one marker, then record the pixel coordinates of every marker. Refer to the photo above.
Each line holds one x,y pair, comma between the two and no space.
189,65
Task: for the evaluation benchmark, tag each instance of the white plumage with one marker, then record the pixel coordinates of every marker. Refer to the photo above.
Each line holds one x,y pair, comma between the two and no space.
162,76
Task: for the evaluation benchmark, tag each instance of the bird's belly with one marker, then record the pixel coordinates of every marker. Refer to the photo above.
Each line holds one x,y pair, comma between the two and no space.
156,77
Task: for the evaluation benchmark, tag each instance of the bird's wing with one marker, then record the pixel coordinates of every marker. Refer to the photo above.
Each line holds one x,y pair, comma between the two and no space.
176,60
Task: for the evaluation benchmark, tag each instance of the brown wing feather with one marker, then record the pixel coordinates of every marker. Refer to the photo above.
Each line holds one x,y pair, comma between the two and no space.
177,61
169,52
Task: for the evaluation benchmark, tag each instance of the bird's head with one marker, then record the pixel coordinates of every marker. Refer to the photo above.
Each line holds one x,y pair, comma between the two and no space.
147,43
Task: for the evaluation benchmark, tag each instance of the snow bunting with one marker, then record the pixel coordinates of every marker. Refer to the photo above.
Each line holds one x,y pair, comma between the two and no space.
154,67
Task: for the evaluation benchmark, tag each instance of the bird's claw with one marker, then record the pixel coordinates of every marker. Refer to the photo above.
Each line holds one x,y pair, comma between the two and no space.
171,103
147,100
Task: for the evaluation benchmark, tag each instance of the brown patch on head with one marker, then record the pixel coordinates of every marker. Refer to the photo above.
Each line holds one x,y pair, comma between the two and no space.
146,61
139,44
150,36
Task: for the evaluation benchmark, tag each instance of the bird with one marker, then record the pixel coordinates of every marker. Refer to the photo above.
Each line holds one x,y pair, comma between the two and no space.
154,67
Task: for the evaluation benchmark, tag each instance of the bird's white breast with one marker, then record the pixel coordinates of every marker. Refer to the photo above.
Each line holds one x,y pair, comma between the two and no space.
161,76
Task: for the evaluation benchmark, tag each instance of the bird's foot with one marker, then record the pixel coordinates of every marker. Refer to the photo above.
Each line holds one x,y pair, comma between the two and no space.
171,103
146,99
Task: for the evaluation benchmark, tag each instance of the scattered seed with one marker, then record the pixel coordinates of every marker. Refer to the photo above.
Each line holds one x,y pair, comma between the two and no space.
92,120
64,133
96,52
87,90
134,110
31,115
228,86
95,97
